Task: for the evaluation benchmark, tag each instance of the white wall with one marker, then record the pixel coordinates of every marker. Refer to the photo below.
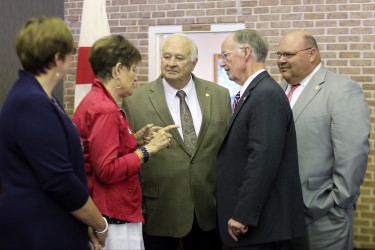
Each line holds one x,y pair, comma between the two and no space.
208,42
208,45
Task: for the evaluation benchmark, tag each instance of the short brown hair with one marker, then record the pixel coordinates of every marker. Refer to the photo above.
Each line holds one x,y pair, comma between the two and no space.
108,51
39,40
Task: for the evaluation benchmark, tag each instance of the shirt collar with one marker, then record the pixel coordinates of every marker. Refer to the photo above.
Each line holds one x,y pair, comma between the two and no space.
99,84
171,91
249,80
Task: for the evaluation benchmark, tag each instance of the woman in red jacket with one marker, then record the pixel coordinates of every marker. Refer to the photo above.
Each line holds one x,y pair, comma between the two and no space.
113,154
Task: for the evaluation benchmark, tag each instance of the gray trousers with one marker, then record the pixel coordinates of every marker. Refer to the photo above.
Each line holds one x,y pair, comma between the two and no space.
334,231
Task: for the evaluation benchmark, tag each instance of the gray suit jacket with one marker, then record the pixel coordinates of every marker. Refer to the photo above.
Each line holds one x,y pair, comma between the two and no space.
176,184
333,126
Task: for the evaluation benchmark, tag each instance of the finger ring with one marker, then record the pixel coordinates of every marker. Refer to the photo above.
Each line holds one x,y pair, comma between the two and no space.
237,231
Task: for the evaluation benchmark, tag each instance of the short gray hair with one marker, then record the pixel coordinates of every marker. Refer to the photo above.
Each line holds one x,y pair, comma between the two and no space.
258,44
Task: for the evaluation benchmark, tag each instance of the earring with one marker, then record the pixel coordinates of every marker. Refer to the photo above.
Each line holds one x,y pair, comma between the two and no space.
57,74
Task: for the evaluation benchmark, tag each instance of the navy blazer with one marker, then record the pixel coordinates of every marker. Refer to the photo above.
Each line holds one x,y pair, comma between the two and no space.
41,171
257,168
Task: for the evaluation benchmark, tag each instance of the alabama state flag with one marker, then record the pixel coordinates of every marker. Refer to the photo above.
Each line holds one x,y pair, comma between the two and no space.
94,25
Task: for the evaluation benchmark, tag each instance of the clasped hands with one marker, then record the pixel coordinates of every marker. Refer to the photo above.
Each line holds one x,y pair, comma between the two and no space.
155,137
97,240
236,228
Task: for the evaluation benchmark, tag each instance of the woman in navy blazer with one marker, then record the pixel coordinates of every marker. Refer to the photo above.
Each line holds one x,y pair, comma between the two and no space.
44,203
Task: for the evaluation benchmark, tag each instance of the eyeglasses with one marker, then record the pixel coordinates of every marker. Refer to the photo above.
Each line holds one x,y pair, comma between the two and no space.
289,54
225,54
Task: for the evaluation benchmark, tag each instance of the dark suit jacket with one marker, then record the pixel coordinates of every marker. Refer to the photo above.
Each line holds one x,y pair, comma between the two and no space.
42,172
257,168
176,184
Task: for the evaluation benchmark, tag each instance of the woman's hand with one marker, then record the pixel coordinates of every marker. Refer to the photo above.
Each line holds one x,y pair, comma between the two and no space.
160,139
145,135
90,215
101,238
94,240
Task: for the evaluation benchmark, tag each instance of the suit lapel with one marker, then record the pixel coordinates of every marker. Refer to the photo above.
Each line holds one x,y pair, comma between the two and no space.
311,90
204,99
157,99
246,96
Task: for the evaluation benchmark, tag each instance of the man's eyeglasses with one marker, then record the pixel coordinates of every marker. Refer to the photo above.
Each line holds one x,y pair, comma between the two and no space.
225,54
289,54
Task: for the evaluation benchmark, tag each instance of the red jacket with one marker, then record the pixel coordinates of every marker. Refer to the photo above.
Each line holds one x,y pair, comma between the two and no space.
111,164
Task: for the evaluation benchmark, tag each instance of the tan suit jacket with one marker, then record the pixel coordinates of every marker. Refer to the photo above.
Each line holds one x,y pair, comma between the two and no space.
176,184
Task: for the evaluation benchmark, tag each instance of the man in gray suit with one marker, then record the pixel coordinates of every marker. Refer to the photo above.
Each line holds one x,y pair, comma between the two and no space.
179,184
332,123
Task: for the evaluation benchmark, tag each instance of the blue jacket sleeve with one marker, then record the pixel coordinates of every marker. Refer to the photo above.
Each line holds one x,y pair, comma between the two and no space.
42,137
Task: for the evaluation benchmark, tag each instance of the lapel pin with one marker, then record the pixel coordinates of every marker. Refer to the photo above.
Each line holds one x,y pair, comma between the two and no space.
316,88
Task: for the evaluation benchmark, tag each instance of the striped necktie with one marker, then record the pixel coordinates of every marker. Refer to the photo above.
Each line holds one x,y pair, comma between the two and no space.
236,100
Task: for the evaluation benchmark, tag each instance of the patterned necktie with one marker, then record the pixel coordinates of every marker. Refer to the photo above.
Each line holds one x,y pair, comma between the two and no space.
236,100
292,89
188,131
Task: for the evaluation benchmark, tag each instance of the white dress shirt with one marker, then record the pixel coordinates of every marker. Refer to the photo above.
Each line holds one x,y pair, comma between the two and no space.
191,99
297,92
248,81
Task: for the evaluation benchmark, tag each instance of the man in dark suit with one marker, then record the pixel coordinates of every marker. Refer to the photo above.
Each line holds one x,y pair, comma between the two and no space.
259,195
179,184
332,123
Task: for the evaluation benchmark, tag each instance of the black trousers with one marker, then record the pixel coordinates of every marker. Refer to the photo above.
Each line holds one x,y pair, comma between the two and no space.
195,240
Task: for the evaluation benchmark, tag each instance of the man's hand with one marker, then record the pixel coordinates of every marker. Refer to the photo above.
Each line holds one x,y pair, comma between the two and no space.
236,228
146,133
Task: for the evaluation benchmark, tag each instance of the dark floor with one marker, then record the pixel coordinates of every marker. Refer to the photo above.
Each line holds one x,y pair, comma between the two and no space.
225,248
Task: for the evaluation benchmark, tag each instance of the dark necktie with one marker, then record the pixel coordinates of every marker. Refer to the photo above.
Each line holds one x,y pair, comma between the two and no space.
188,131
292,89
236,100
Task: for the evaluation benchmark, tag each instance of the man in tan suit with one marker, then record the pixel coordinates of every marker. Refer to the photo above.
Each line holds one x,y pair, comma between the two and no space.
179,184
